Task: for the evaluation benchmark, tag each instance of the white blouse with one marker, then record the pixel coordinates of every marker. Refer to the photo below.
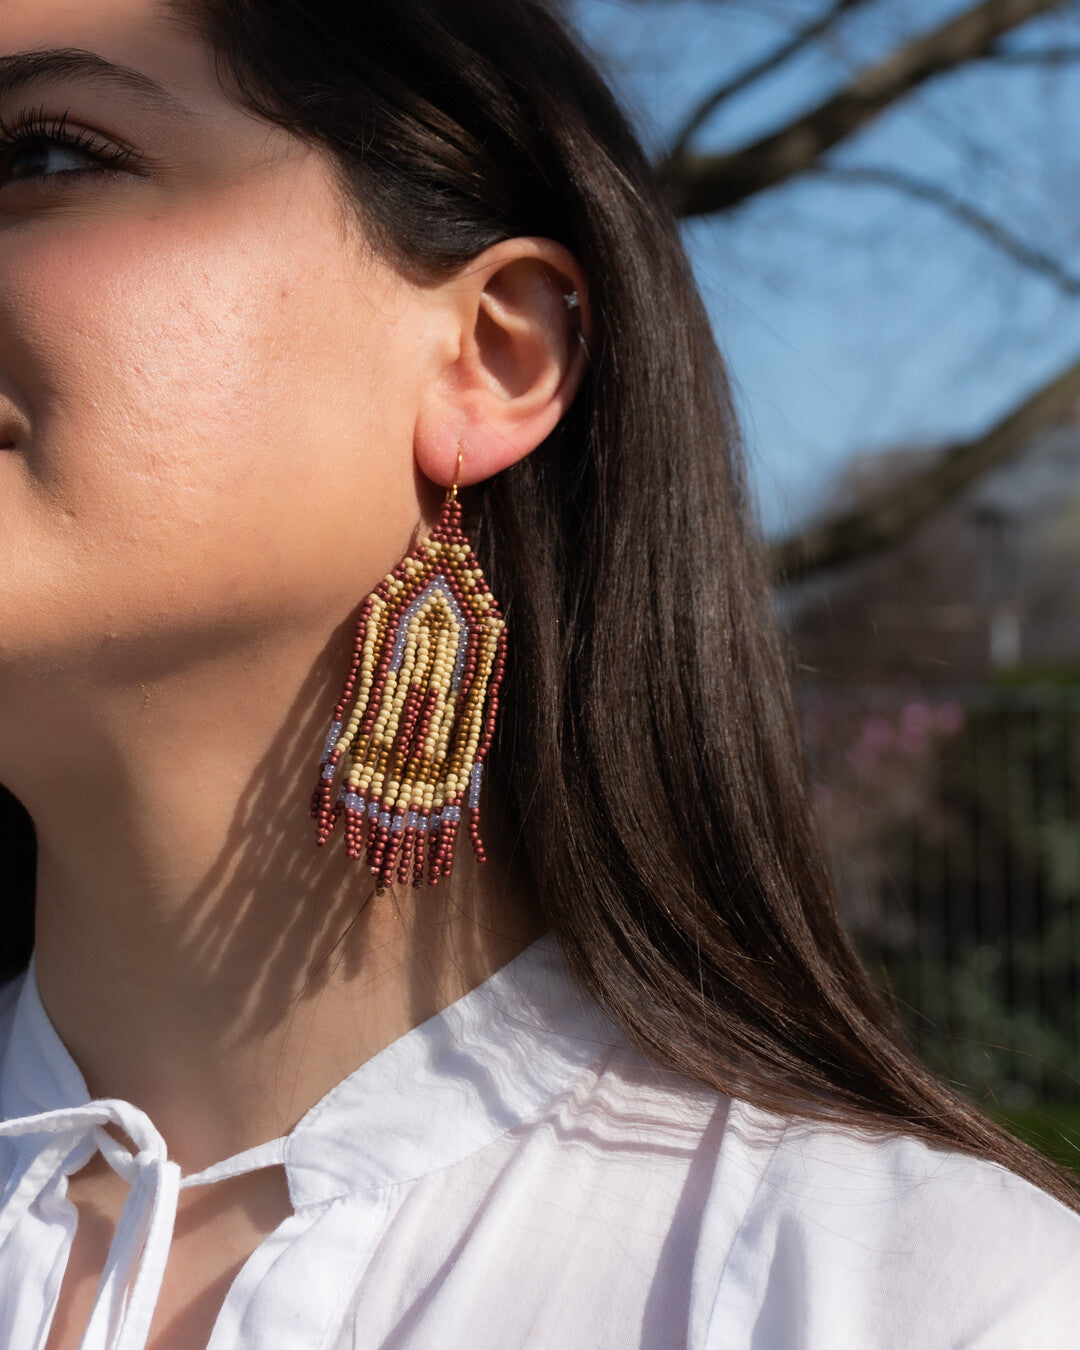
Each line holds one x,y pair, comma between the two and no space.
512,1174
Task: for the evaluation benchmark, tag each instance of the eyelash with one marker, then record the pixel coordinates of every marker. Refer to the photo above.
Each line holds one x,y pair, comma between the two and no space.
33,125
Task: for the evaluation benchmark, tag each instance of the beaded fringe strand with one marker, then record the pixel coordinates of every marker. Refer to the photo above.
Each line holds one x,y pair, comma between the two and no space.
429,655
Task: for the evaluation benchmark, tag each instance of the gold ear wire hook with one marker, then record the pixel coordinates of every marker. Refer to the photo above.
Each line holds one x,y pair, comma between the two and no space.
457,475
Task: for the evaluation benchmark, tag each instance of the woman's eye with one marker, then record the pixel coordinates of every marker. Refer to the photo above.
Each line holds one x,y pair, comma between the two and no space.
41,159
44,152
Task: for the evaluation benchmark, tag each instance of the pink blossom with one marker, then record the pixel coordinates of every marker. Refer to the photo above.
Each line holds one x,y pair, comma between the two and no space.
950,717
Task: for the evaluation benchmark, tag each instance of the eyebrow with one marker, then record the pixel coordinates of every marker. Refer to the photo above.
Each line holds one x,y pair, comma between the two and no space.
74,63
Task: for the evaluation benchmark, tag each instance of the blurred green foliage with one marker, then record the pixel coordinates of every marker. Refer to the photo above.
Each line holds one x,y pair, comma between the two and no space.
1053,1129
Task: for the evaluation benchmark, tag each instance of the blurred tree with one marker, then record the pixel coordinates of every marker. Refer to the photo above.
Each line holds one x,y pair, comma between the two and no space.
702,182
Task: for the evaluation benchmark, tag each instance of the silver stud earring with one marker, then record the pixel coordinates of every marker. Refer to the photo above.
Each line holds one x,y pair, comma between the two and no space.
573,301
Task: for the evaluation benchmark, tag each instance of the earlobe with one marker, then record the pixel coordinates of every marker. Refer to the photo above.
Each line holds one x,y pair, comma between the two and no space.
523,322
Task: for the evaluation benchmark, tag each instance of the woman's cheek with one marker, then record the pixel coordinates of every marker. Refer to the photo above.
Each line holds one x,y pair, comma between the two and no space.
211,430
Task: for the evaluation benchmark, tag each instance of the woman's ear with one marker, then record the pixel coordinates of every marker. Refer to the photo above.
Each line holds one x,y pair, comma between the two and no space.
521,322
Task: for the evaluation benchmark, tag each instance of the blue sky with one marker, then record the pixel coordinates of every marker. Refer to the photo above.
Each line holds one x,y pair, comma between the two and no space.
854,319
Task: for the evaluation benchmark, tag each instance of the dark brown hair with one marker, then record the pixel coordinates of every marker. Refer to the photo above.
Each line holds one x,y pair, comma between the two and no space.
646,757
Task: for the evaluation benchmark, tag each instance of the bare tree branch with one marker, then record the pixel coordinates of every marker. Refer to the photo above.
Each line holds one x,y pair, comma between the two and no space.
771,61
1042,56
893,515
1028,255
699,184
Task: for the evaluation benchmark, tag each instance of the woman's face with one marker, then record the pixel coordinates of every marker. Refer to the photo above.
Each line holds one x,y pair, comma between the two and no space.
208,383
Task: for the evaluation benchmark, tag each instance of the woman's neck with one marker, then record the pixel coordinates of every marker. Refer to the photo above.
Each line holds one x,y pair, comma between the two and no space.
199,956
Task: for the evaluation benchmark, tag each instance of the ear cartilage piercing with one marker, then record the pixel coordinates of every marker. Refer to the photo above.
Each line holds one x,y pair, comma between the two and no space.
429,655
573,301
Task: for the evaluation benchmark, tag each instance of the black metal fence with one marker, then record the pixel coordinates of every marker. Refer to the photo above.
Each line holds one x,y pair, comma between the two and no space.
953,823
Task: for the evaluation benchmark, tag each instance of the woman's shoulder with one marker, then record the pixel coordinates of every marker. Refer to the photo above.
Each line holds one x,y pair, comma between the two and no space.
823,1236
864,1239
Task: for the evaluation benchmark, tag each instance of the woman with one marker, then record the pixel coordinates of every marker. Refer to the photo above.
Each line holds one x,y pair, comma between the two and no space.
283,287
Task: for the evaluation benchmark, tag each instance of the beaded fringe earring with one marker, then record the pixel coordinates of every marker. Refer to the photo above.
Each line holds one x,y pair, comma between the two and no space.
429,655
